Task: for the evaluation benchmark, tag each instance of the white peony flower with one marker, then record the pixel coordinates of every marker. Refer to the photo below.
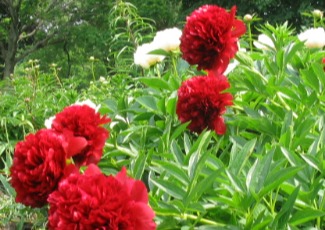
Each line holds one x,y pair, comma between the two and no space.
263,42
48,122
142,58
313,38
89,103
168,39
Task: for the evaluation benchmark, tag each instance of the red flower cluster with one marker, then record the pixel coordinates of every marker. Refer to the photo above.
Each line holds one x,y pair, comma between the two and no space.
110,202
39,161
202,102
42,173
83,122
210,37
209,40
38,166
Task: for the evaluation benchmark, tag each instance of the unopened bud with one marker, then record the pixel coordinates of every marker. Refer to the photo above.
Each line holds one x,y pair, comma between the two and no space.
248,18
317,13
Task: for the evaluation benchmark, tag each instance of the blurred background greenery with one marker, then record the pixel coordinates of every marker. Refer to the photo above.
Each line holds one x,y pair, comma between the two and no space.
69,32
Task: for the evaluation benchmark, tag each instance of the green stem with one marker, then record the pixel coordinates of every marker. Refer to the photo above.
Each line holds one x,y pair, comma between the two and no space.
57,78
250,36
92,71
314,22
174,57
191,217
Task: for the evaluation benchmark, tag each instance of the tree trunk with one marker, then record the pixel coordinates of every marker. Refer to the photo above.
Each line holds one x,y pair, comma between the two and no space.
2,65
11,51
9,68
10,61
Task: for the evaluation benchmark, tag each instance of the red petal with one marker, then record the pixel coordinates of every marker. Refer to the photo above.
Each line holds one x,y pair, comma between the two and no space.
73,145
219,126
92,170
239,28
139,192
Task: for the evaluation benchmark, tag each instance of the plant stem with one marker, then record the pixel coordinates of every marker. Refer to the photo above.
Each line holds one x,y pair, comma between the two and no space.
192,217
92,70
250,36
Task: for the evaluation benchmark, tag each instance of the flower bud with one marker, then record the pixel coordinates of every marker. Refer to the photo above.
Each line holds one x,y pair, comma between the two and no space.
317,13
248,18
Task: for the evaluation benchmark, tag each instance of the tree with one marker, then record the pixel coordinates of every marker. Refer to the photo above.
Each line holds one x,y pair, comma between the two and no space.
29,25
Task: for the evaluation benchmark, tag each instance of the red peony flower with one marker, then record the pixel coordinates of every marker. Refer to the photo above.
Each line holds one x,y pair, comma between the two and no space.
38,165
202,102
96,201
210,36
323,61
83,124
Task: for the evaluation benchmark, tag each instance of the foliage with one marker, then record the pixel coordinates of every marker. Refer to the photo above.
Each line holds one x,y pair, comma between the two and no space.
267,172
272,11
164,12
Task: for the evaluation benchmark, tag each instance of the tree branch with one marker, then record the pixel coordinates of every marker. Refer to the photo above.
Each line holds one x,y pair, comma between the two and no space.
40,44
23,36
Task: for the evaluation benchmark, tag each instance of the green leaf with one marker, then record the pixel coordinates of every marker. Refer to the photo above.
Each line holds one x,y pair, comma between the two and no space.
169,187
203,186
155,83
171,105
159,52
277,177
239,159
148,102
291,50
195,158
302,216
7,186
139,165
258,173
177,152
236,182
179,130
313,162
282,217
310,78
173,170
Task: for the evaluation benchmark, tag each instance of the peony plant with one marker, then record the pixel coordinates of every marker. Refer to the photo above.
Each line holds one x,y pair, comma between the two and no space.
46,170
266,171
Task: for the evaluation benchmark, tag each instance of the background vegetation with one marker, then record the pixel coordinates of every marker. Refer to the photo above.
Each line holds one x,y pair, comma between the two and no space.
267,172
